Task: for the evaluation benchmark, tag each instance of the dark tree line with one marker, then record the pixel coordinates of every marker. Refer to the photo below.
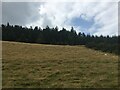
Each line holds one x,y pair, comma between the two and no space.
59,37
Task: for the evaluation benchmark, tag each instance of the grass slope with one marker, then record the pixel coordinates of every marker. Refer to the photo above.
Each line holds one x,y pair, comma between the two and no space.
53,66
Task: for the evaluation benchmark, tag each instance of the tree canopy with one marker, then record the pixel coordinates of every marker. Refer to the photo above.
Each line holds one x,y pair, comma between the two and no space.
59,37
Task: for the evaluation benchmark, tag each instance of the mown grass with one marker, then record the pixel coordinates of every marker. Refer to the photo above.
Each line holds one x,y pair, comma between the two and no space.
53,66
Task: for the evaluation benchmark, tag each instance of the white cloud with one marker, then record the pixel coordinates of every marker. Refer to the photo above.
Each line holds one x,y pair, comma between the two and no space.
59,0
58,13
105,15
108,19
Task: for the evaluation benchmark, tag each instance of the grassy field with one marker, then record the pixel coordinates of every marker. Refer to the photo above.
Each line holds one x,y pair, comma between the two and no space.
52,66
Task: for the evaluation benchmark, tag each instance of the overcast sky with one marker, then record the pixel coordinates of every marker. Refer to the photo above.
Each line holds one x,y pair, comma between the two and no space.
90,17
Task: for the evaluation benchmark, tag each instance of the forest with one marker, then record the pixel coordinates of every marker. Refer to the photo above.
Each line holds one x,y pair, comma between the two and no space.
55,36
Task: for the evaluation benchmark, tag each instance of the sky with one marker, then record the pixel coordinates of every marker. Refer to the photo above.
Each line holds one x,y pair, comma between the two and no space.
93,17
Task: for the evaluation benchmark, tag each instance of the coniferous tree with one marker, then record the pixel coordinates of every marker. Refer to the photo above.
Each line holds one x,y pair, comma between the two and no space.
55,36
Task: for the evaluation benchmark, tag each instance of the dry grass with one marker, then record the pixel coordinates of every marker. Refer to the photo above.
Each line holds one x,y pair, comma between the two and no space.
53,66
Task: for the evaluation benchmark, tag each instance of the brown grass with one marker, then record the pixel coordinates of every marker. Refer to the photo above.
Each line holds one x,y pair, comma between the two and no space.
51,66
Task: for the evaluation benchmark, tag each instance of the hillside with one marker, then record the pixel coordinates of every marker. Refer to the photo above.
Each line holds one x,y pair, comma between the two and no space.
57,36
39,65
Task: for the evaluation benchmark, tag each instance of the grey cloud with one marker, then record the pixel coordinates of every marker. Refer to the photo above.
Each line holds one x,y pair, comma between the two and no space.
0,12
119,17
21,13
46,21
0,20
